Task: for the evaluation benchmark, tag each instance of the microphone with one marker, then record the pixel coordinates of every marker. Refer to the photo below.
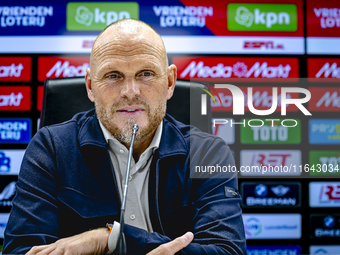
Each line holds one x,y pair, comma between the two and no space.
121,238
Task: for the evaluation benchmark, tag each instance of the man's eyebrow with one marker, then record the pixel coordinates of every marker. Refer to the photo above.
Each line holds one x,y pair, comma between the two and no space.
107,66
149,66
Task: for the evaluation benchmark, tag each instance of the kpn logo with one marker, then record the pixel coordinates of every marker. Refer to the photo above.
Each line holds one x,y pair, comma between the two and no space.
95,16
262,17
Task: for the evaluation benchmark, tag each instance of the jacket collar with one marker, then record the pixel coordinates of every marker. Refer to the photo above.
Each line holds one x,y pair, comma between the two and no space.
89,130
172,141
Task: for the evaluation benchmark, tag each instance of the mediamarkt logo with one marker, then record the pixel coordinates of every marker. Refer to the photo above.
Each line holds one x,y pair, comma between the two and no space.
220,68
15,68
323,68
15,98
11,100
11,71
67,70
51,67
329,69
324,99
240,70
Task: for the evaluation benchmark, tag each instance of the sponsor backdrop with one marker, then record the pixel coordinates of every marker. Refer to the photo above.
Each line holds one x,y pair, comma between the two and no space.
290,178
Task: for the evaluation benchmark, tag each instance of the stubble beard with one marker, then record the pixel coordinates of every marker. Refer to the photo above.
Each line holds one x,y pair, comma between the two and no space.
124,135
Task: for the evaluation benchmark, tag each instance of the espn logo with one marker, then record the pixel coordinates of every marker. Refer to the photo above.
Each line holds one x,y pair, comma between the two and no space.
269,45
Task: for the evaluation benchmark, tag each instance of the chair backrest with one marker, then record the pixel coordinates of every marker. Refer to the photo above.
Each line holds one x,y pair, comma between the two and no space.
64,97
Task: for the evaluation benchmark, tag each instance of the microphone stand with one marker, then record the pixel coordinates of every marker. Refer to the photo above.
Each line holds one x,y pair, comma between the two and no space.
121,238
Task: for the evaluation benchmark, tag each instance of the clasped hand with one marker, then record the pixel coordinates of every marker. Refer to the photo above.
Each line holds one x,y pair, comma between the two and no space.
94,242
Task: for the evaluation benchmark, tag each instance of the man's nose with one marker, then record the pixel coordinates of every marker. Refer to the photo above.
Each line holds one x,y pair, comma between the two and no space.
130,88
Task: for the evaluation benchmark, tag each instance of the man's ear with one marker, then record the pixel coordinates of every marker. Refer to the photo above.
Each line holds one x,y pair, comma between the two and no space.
88,84
172,78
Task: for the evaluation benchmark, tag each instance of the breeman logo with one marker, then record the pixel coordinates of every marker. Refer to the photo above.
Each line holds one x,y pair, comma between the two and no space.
95,16
238,100
262,17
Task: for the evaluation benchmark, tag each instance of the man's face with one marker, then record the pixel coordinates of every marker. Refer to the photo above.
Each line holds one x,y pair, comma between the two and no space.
130,83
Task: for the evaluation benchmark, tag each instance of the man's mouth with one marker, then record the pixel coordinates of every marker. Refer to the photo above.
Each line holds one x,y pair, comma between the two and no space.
131,110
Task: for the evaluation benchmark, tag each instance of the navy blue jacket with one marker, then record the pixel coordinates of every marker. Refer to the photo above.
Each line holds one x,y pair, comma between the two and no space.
67,186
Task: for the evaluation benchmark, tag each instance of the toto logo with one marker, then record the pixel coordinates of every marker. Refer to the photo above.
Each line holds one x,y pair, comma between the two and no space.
238,100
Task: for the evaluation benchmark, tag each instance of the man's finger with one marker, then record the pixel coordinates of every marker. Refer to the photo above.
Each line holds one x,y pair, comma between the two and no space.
181,242
36,249
174,246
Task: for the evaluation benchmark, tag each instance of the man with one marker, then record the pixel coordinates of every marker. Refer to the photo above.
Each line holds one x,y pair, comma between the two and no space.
70,182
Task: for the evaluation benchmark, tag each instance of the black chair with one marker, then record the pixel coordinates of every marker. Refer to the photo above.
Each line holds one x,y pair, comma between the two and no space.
64,97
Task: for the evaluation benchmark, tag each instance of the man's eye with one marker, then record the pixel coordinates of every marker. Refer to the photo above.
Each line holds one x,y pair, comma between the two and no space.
113,76
146,73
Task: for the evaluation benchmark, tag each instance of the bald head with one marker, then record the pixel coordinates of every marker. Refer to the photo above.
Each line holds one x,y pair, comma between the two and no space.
125,35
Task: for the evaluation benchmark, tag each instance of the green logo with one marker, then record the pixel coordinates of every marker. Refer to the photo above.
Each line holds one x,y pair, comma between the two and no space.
324,163
262,17
95,16
272,132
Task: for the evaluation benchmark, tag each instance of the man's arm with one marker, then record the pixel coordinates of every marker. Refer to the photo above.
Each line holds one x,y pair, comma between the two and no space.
215,215
34,217
94,242
34,222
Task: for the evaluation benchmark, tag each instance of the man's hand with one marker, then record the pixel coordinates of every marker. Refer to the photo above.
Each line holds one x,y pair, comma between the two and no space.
90,242
174,246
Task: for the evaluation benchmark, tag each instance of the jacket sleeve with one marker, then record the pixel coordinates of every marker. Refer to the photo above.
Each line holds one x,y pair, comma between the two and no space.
34,216
216,219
